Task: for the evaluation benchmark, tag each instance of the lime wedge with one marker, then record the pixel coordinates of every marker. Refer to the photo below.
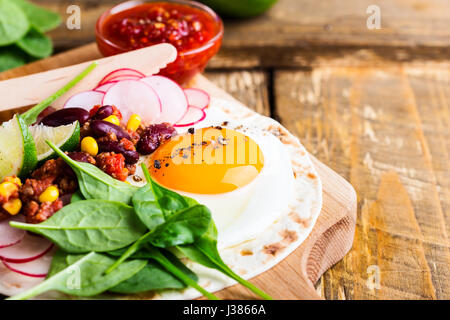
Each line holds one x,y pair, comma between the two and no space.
65,137
17,149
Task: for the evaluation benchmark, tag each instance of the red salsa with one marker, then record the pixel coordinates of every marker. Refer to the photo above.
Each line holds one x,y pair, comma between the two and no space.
184,26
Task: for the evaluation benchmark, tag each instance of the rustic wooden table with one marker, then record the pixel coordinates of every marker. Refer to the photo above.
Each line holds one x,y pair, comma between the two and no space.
371,104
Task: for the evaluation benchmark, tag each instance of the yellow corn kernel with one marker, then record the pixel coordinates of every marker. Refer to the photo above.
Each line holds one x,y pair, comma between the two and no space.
113,119
134,122
13,206
7,189
14,180
49,195
89,145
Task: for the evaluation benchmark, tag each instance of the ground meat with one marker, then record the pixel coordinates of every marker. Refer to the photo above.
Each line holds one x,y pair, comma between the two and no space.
32,188
37,213
85,130
50,170
113,164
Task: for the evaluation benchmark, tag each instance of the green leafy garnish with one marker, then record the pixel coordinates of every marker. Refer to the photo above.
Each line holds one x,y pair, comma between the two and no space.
154,276
204,251
13,23
11,57
90,225
22,28
36,44
85,277
44,20
96,184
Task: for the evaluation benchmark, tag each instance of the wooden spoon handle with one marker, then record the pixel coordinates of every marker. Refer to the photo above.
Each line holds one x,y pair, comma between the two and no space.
31,89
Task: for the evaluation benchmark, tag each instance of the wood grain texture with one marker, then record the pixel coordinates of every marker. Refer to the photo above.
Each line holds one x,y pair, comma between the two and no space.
305,33
332,235
386,130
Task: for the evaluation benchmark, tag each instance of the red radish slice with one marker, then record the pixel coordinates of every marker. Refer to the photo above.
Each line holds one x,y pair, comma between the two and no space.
173,100
197,97
105,87
193,115
9,236
85,100
120,72
12,283
30,248
37,268
132,96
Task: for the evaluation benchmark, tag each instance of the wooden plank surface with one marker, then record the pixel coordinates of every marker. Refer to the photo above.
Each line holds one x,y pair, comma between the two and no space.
387,132
304,32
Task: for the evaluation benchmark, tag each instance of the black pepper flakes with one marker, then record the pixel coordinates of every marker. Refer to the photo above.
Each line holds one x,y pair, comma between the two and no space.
191,130
157,164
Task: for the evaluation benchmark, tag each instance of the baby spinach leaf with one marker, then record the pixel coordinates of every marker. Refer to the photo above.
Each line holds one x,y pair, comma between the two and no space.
36,44
41,18
11,57
204,251
154,276
94,183
77,196
86,277
145,253
181,228
59,263
147,208
31,115
13,22
90,225
169,202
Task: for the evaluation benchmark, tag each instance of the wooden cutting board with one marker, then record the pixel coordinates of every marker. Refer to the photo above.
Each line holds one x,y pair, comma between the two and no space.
330,240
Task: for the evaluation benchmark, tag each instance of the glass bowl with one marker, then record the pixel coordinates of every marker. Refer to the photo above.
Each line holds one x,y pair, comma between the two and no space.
188,63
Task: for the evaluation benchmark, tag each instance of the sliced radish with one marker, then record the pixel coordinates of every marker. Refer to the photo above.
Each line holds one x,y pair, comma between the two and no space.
197,97
37,268
28,249
193,115
173,100
13,283
120,73
9,236
132,96
105,87
85,100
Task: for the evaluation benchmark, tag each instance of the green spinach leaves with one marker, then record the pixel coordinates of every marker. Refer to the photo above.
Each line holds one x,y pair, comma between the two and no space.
90,225
94,183
85,276
22,27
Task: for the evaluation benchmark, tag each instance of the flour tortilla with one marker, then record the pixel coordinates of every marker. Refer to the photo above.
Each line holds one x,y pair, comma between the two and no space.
252,257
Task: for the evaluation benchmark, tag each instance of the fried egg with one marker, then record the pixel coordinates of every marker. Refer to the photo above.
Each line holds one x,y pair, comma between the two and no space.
241,173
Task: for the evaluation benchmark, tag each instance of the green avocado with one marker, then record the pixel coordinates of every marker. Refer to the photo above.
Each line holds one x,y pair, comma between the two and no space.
239,8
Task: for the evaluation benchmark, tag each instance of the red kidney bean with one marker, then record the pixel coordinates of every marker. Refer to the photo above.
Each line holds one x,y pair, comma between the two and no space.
101,128
153,136
44,113
65,116
103,112
131,156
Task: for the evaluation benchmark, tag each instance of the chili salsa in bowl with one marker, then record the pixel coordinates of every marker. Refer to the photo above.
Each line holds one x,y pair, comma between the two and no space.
193,28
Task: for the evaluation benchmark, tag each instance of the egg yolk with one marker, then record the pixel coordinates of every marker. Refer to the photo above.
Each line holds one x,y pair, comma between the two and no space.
208,161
